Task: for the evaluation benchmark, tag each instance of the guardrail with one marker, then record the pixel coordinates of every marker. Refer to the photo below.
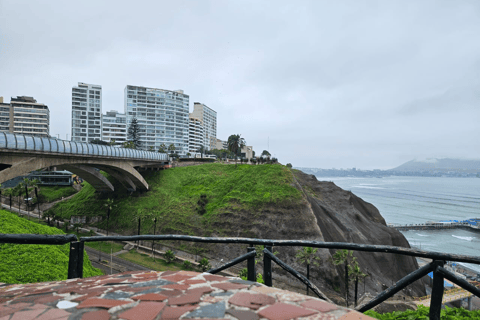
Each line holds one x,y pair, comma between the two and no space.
75,267
32,143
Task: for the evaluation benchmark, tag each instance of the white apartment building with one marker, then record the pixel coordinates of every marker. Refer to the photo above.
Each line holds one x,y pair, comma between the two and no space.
114,127
161,114
220,144
196,136
209,119
86,112
25,116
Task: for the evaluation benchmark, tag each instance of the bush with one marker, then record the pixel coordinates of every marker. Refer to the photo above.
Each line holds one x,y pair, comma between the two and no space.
34,263
423,313
169,256
187,265
205,264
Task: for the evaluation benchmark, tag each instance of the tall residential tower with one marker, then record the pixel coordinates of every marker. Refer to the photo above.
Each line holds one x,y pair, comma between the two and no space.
25,116
209,119
86,112
161,114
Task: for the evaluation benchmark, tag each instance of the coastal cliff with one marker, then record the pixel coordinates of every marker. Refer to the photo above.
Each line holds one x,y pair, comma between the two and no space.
330,214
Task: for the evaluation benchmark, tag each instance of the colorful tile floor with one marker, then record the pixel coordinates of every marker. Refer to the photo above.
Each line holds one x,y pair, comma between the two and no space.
161,295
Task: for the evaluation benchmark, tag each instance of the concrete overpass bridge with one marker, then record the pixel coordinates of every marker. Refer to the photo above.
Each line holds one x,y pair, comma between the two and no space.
21,154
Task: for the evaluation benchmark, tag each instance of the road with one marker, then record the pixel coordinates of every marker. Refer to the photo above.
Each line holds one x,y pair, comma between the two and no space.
117,265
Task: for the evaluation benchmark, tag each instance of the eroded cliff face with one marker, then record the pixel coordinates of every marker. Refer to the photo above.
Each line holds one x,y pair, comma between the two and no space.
330,214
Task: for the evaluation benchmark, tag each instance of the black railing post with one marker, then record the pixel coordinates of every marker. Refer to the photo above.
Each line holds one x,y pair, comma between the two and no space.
74,260
437,292
267,267
81,248
251,273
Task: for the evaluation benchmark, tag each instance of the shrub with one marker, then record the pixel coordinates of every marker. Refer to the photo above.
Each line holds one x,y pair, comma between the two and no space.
169,256
205,264
187,265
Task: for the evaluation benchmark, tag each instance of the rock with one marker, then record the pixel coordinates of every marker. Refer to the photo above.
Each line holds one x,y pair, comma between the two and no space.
330,214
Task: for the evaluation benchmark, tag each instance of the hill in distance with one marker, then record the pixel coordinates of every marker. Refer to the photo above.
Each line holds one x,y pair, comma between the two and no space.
444,164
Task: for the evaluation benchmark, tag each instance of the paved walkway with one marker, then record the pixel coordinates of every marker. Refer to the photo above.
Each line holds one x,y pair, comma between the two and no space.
143,295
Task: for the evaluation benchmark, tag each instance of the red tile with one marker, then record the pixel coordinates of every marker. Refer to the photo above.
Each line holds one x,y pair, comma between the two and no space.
353,315
168,273
143,311
283,311
200,290
229,286
177,286
26,315
174,313
85,297
243,314
177,277
194,281
185,299
172,293
48,299
252,301
96,315
319,305
150,297
212,277
53,314
101,303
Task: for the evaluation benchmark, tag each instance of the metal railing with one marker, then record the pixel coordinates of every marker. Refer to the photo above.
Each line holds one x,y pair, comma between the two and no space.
43,144
75,267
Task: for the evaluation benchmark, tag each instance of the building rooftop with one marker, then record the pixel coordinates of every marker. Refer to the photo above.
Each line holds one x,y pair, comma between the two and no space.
162,295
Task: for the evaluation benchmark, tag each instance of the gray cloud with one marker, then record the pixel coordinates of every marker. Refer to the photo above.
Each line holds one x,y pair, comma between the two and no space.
329,84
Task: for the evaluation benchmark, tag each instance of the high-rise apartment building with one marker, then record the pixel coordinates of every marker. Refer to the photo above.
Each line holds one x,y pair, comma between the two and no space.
24,115
196,136
161,114
114,127
209,119
86,112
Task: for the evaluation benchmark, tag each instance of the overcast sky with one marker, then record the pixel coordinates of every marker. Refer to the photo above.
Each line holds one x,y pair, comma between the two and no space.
366,84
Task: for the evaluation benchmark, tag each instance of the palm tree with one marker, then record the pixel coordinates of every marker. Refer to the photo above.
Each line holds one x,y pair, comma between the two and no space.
235,143
355,272
171,148
162,148
109,204
308,256
265,153
344,257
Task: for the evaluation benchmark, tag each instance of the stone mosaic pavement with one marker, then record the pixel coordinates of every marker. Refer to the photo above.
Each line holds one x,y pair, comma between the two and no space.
145,295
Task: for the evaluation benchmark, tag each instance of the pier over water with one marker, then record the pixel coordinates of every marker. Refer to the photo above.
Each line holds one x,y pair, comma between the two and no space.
470,225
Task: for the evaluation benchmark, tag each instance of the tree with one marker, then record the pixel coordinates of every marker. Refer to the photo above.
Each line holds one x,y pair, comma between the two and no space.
169,256
188,154
235,144
201,150
76,226
265,153
128,145
308,256
171,148
344,257
151,148
289,165
162,148
355,273
133,133
109,204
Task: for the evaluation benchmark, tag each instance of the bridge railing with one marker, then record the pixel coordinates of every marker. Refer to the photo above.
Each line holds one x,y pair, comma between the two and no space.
75,267
33,143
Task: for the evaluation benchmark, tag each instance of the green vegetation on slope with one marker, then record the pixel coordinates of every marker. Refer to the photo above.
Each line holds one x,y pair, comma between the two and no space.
423,313
34,263
187,199
49,194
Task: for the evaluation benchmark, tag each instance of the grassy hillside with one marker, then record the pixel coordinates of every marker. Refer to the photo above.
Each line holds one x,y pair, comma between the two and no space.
188,199
34,263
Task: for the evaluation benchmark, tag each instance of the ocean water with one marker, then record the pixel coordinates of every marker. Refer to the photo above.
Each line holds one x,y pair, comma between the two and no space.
406,200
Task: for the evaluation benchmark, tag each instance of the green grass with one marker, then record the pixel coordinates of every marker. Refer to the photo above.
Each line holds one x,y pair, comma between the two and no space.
34,263
423,313
105,246
49,194
146,261
174,195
